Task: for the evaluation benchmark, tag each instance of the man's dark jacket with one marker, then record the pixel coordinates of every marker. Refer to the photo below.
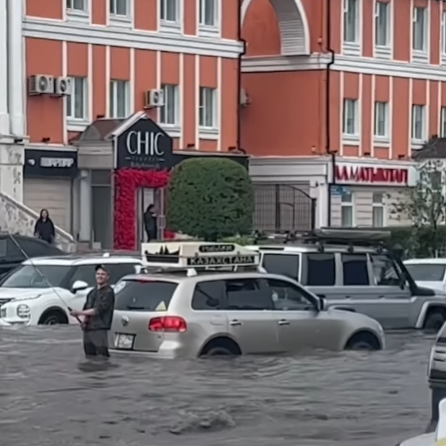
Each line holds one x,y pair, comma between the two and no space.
103,301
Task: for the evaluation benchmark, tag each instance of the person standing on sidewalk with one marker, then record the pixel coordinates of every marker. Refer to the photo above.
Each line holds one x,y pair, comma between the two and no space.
44,228
97,316
150,223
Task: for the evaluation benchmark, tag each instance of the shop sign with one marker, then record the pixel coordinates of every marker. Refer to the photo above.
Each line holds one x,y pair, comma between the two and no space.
144,145
351,174
54,163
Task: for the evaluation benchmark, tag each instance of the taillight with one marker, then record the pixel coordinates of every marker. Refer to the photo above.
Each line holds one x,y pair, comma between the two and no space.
168,323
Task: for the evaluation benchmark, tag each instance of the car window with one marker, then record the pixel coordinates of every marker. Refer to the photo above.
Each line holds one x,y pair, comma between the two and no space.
86,273
355,269
118,270
283,264
32,276
321,269
288,297
385,271
144,295
426,272
245,294
208,295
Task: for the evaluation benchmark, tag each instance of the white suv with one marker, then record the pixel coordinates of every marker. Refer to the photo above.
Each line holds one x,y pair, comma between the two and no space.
41,291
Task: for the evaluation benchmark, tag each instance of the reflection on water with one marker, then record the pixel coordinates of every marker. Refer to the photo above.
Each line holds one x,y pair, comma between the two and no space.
49,396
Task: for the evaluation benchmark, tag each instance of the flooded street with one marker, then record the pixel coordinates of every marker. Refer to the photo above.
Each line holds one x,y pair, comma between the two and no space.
49,396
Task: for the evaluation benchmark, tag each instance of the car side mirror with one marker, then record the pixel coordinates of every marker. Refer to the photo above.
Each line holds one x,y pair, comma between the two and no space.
79,285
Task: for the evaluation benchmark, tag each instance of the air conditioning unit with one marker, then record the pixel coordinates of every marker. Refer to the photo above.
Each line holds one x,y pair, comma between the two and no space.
244,98
154,98
41,84
62,86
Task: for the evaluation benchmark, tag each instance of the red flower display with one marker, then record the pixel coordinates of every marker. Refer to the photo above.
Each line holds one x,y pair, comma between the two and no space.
127,182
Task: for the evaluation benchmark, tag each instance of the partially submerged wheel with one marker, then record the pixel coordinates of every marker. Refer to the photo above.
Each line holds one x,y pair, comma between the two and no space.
363,341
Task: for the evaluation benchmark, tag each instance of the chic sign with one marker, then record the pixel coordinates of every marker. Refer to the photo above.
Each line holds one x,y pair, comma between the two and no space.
144,144
351,174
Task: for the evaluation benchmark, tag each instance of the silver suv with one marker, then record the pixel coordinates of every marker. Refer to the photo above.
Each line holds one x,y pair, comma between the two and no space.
185,309
353,271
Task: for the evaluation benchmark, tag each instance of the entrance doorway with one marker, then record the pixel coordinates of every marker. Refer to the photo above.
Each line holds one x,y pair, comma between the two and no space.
144,198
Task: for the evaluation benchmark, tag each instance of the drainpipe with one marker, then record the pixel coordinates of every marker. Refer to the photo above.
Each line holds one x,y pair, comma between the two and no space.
15,67
239,78
327,106
4,115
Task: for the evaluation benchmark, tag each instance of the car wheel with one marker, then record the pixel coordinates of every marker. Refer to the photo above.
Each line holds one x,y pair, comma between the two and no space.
363,341
434,320
53,318
221,347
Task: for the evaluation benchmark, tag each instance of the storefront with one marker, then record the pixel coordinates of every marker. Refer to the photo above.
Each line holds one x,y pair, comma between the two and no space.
366,191
49,176
124,166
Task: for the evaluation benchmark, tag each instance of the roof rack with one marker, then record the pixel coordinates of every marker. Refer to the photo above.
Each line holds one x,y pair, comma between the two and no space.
195,256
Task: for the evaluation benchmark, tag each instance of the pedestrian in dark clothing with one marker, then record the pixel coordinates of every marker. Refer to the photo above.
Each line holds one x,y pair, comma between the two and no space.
44,228
150,223
98,315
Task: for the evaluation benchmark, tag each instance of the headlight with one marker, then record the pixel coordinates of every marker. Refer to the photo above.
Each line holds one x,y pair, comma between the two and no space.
23,311
25,298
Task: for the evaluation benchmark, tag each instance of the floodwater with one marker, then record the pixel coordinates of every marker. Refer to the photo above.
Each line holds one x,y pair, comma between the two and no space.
49,396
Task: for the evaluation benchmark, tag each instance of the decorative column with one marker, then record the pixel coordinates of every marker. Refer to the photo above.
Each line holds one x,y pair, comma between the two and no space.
85,207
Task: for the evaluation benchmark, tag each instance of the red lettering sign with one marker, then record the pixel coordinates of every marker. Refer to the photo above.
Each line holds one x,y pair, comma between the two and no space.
352,174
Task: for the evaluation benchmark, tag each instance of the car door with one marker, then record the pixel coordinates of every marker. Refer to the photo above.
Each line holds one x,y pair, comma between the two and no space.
252,323
393,305
300,323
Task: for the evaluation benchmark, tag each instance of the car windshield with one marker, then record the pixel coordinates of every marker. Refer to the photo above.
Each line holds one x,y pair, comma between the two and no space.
31,276
426,272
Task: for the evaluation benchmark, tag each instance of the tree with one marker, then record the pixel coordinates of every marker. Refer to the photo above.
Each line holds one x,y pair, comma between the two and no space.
210,198
425,206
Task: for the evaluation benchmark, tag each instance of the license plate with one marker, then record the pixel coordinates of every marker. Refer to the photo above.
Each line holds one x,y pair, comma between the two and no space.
124,342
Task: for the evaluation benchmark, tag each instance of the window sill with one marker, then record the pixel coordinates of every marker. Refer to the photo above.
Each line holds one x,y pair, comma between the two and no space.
208,133
77,125
77,15
416,144
443,59
170,27
173,130
419,56
209,31
383,52
351,48
350,140
381,141
120,21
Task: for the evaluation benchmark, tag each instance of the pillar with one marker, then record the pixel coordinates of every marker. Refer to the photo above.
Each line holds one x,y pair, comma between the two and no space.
85,206
4,115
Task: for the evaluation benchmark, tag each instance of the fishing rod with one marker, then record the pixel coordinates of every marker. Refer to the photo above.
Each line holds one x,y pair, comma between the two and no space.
42,276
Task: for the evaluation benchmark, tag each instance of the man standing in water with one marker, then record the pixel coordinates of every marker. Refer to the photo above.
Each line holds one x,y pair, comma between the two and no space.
97,315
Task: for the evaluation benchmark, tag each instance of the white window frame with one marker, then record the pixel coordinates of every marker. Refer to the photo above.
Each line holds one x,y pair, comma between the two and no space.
443,38
120,19
72,120
352,46
381,108
113,103
379,208
418,111
167,24
383,46
442,129
350,106
420,53
204,94
202,7
348,202
74,13
171,95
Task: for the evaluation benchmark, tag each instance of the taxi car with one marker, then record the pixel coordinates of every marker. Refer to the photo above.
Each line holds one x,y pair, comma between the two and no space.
192,303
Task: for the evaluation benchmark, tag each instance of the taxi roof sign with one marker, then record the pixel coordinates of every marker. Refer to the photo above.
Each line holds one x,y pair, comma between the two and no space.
197,255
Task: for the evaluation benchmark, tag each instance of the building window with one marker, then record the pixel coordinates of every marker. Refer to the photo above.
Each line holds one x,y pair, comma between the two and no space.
347,209
119,7
382,24
351,21
443,35
208,108
378,210
170,10
169,111
381,119
419,29
350,125
77,101
119,99
443,123
418,122
208,12
77,5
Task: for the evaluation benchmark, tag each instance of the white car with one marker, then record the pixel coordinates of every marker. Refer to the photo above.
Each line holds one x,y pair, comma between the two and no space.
41,291
428,273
